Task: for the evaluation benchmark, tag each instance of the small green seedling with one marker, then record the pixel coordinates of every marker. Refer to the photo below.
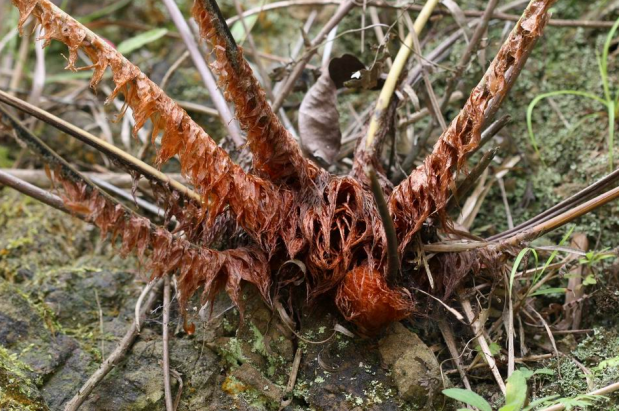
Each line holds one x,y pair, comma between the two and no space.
594,257
515,395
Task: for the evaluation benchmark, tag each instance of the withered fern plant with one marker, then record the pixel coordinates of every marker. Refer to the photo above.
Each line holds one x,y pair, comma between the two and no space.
289,207
354,233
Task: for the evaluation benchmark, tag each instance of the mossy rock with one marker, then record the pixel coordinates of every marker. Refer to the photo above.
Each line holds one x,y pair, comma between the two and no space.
34,236
17,390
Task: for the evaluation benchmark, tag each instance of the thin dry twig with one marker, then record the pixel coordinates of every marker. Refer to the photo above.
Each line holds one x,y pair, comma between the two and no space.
169,401
548,332
168,74
38,78
602,391
100,311
591,24
342,11
39,179
205,73
114,358
30,190
179,393
296,362
437,110
483,343
471,48
508,213
22,56
567,204
138,304
99,144
532,233
453,351
419,115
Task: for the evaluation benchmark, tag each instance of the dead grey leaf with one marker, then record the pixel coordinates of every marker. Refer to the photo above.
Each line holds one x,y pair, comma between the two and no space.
370,79
341,69
319,122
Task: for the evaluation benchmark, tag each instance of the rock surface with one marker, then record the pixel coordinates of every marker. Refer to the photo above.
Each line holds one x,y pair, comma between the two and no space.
416,371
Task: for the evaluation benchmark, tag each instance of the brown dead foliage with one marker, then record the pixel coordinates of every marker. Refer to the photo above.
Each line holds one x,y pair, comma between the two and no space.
209,168
196,266
427,188
276,153
292,209
380,304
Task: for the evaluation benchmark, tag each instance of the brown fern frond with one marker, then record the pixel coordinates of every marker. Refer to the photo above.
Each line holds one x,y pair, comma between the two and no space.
221,182
276,154
332,223
197,267
166,254
427,188
179,201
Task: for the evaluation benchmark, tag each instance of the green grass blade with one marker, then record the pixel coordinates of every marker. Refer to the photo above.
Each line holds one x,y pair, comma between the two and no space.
539,98
602,66
553,255
611,134
557,290
604,62
519,258
468,397
140,40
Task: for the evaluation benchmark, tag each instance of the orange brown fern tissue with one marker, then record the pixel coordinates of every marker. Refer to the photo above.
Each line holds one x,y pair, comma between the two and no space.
296,209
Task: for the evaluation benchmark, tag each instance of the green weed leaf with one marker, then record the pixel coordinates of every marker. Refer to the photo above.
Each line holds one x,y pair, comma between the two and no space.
589,280
516,392
519,258
141,40
544,291
468,397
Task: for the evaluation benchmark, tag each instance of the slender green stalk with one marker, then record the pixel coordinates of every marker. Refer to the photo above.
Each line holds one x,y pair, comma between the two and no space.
608,101
396,70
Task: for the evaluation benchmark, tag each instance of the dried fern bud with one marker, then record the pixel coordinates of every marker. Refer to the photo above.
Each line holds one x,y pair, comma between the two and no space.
365,299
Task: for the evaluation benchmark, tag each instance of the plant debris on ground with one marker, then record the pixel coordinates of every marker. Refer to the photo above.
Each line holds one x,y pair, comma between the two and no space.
318,205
